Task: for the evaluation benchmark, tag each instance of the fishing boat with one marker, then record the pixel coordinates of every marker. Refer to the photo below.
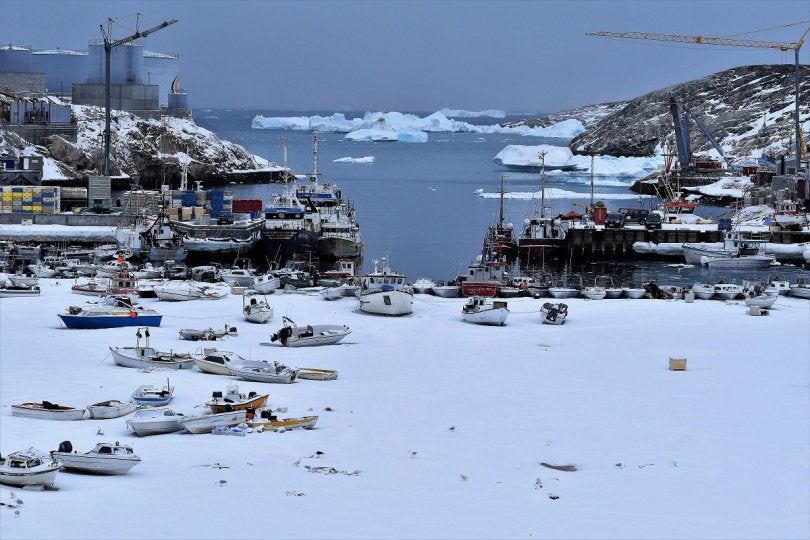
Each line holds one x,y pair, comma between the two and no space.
29,468
153,396
541,238
112,408
104,458
234,400
499,239
109,316
154,421
46,410
478,310
423,285
292,335
703,291
90,287
147,357
484,279
446,290
383,292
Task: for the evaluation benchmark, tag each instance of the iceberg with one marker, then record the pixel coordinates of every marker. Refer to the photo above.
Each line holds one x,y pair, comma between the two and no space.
366,159
410,124
560,158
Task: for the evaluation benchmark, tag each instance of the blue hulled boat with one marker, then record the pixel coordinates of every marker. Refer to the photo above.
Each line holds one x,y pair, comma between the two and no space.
110,316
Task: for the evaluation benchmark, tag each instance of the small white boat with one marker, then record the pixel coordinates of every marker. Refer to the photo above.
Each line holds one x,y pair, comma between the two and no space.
562,288
594,292
554,313
703,291
446,291
29,468
146,357
179,291
90,287
256,311
207,334
112,408
611,291
154,421
47,411
9,292
243,277
260,371
291,335
423,286
633,292
728,291
204,423
266,283
338,291
218,362
104,458
154,396
479,310
800,289
762,301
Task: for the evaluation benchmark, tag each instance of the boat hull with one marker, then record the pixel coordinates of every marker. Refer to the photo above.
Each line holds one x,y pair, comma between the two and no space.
96,463
207,422
129,318
37,410
305,422
154,422
490,317
28,477
111,409
393,303
146,357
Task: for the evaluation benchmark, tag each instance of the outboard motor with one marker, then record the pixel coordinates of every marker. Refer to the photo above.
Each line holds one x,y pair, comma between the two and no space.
65,446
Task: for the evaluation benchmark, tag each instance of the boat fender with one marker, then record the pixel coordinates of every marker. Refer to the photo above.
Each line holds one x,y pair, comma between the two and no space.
65,446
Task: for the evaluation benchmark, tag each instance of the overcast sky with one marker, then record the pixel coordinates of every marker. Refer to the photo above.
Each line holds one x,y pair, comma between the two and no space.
516,56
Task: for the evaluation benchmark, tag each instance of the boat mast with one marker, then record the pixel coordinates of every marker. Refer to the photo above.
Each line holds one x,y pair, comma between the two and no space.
314,177
542,184
500,215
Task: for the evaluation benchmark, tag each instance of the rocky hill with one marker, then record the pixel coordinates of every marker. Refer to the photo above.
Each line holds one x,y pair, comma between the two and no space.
748,110
151,149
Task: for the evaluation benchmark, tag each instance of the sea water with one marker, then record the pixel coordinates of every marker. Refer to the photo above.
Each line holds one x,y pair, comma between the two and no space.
420,204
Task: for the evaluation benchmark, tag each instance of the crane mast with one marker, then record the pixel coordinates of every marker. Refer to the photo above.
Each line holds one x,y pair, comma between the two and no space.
109,44
732,42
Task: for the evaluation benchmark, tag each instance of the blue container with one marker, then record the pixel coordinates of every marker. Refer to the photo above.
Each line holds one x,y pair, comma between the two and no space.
724,224
189,198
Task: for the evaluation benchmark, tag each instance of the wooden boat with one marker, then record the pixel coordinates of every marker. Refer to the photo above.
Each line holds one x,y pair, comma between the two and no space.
48,411
207,334
477,310
204,423
256,311
104,458
29,468
261,371
233,400
154,421
317,374
112,408
218,362
147,394
291,335
109,316
267,420
554,313
146,357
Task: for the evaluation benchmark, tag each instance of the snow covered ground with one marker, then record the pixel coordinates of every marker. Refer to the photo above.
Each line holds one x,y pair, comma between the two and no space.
436,428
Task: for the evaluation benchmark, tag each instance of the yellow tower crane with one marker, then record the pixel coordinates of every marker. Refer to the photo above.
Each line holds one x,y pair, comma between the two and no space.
733,42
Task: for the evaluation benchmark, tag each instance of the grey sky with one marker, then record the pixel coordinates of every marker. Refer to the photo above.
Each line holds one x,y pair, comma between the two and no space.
517,56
